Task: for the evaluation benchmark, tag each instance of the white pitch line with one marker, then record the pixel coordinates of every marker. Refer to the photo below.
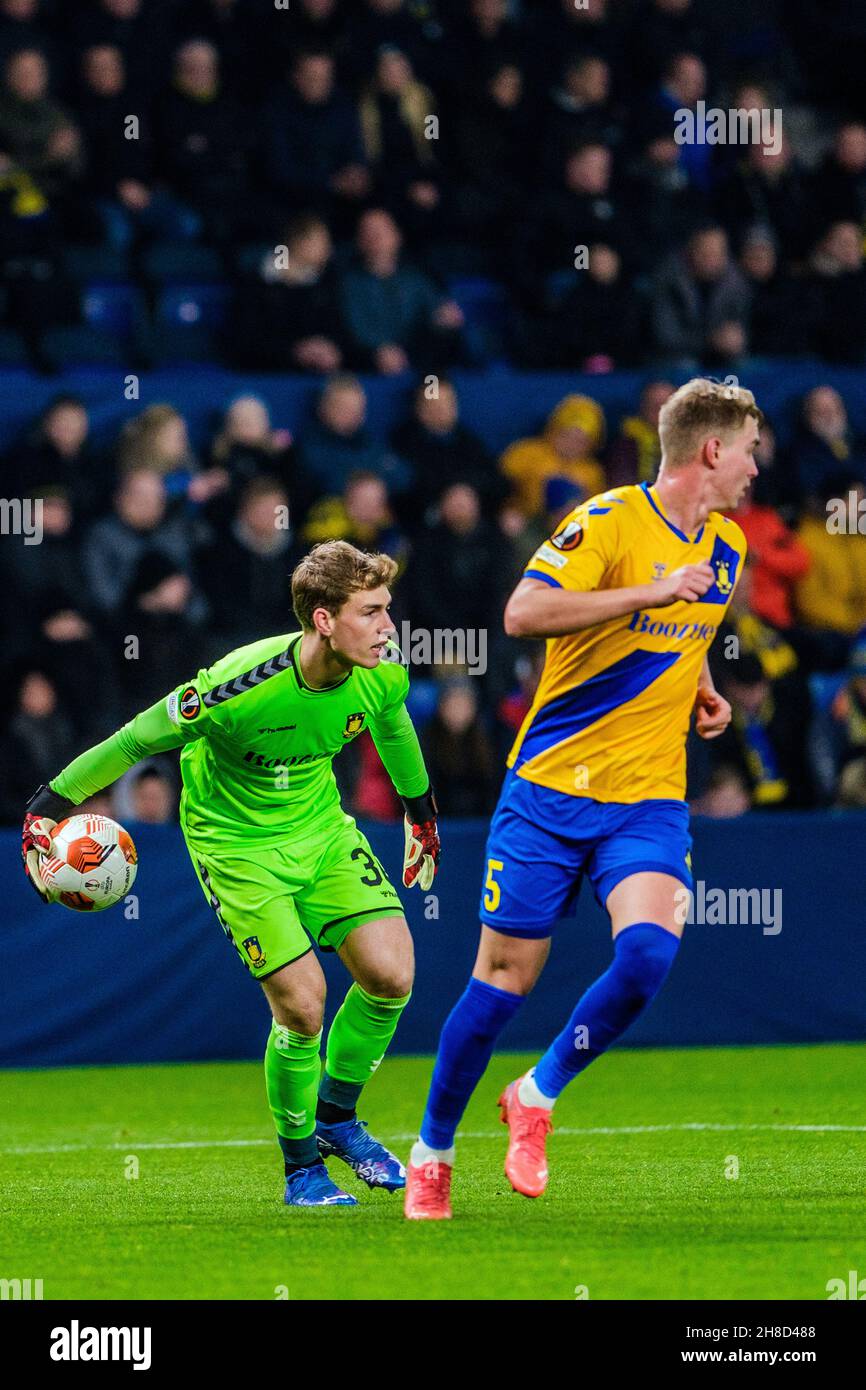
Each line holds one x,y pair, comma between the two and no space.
132,1147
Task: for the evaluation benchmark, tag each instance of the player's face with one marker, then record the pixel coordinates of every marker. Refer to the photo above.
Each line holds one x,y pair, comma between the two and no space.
362,627
735,466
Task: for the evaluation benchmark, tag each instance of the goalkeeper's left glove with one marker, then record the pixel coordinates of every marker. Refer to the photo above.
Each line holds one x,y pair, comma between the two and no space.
421,858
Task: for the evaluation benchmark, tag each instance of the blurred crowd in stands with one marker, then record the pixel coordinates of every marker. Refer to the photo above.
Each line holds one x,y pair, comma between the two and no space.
406,187
384,184
155,560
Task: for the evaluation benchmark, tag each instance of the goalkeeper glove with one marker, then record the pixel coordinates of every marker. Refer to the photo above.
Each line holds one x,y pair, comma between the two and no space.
421,857
43,811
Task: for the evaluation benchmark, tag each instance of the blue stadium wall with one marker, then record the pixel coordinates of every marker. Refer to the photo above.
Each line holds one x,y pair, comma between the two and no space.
168,986
499,403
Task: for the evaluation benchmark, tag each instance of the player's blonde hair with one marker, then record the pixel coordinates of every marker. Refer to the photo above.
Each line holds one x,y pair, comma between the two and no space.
699,409
331,572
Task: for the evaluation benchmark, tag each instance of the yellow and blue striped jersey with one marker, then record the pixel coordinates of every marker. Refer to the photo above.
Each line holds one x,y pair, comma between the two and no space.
610,717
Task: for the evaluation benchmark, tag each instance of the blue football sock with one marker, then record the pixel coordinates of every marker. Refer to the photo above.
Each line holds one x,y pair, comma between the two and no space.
643,955
465,1048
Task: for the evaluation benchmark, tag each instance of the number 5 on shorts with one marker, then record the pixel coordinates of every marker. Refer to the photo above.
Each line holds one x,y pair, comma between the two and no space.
494,893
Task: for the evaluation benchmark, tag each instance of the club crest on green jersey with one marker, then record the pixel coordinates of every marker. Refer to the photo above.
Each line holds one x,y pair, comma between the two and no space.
354,725
253,948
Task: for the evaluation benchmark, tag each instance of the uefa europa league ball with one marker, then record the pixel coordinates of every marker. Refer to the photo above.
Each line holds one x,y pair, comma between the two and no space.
91,865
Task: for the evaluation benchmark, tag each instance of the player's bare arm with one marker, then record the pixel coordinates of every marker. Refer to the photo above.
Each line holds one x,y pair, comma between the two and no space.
536,610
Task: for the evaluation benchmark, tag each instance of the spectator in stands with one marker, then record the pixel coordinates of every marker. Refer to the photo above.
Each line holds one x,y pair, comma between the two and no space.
158,609
824,444
768,188
396,316
70,647
778,558
569,448
595,326
660,203
482,37
247,446
659,28
376,24
839,186
56,454
138,522
119,171
395,122
313,148
137,29
554,29
700,304
290,317
459,753
849,713
51,567
457,573
837,295
35,131
635,452
362,516
153,796
489,149
578,211
39,737
157,438
778,327
831,596
580,109
683,85
201,141
23,25
764,741
336,443
441,450
246,574
726,795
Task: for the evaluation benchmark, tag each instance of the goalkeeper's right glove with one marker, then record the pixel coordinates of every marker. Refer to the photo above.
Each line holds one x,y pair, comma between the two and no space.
43,811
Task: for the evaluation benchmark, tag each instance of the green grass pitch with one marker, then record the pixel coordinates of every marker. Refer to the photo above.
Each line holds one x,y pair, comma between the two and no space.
641,1204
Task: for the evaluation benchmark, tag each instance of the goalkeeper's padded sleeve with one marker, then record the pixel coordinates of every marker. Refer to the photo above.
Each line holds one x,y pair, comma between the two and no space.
149,732
46,802
395,737
420,808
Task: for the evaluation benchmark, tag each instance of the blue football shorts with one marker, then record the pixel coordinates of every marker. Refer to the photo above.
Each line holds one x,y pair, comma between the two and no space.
541,842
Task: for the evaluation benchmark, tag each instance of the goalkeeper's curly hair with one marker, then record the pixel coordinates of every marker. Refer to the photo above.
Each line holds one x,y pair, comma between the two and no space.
330,573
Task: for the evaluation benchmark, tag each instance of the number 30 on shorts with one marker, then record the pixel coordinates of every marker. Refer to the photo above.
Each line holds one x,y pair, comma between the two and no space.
494,893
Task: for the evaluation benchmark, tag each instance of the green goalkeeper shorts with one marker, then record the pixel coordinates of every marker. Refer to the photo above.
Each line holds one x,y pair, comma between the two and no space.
269,902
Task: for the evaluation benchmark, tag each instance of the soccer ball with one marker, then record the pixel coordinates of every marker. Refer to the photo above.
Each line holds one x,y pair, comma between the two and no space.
92,863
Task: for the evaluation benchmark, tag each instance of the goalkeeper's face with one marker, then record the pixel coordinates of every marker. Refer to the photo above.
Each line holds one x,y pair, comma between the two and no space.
361,629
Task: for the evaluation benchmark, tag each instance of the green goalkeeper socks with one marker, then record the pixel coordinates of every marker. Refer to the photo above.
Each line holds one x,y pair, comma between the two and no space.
292,1068
357,1041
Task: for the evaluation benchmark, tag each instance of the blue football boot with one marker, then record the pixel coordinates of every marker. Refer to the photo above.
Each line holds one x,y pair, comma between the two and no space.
367,1158
312,1187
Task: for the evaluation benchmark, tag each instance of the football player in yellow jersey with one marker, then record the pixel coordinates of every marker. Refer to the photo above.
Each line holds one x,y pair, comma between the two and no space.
629,593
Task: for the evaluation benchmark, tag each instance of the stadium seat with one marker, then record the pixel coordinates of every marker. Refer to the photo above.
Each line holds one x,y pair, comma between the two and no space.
13,352
173,262
181,344
87,264
188,306
82,345
116,309
249,258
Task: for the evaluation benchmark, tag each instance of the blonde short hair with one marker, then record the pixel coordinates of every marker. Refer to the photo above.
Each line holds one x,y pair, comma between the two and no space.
331,572
699,409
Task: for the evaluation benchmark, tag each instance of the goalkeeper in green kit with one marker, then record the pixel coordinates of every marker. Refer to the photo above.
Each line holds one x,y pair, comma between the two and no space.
279,860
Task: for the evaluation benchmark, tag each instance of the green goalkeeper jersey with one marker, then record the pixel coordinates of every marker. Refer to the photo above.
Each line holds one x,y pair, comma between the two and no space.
258,744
